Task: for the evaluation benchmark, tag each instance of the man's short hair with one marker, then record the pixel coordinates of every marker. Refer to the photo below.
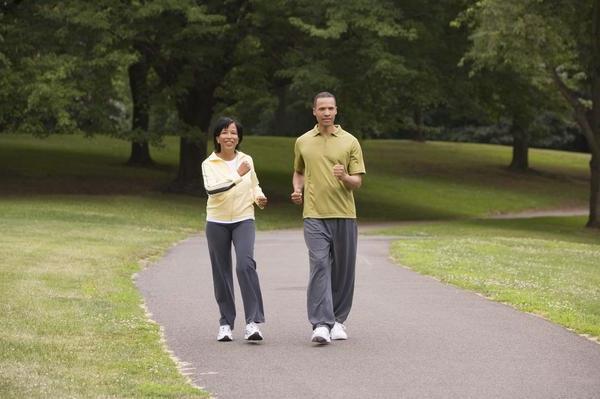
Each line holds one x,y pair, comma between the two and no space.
323,94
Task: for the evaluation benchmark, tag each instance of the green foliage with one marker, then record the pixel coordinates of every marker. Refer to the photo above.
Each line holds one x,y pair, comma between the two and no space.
63,56
529,35
392,66
534,39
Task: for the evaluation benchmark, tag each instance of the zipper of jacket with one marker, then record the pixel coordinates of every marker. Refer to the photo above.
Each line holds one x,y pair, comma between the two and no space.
233,196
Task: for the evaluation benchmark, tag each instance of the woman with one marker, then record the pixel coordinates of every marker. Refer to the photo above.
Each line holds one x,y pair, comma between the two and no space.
232,187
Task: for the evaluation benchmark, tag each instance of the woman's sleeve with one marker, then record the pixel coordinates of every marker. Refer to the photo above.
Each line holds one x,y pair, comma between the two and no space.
217,184
256,190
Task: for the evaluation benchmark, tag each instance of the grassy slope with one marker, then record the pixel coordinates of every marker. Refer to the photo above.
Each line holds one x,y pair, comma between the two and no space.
405,180
75,222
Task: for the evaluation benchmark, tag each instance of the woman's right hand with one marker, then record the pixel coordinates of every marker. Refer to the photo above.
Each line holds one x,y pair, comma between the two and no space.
243,168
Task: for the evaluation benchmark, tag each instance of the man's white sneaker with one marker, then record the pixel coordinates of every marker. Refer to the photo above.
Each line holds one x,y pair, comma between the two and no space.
321,335
252,332
339,331
224,334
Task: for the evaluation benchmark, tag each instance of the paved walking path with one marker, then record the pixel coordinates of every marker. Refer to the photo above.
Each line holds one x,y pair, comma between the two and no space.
410,335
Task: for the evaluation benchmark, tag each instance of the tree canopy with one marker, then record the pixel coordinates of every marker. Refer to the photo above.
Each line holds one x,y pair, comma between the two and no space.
415,69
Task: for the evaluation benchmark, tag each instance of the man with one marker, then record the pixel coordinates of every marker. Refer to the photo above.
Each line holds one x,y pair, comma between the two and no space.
328,167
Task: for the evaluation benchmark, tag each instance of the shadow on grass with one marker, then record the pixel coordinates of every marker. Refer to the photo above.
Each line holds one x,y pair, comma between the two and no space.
35,171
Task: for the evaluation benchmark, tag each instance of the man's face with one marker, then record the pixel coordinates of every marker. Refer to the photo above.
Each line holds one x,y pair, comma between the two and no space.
325,111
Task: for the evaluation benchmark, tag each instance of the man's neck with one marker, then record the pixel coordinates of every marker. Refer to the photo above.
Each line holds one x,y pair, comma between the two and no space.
327,130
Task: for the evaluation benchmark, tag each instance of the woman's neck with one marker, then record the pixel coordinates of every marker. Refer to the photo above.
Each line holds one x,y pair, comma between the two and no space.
227,155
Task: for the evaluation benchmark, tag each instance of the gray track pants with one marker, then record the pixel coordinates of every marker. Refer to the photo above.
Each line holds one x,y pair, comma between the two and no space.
220,236
332,254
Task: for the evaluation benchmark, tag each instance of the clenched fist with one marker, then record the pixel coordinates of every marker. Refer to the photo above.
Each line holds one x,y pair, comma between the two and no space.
261,202
339,171
243,168
297,197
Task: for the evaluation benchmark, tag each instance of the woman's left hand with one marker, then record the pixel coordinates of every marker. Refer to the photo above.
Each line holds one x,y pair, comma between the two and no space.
261,202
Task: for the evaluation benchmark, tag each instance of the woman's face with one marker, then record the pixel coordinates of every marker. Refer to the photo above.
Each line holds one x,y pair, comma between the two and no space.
228,138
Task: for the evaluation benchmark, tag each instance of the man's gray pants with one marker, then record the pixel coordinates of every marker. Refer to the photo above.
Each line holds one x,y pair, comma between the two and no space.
332,255
242,234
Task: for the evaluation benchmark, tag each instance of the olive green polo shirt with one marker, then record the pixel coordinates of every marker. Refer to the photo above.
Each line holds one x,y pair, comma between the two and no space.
314,156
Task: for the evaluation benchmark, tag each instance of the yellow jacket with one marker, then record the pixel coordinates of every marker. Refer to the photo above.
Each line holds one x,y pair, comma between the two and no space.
231,197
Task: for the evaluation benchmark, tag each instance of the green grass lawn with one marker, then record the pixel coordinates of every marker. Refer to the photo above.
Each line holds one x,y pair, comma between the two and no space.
76,224
72,325
547,266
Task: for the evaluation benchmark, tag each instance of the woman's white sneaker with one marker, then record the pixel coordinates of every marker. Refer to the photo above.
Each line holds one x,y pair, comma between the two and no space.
224,334
339,331
252,332
321,335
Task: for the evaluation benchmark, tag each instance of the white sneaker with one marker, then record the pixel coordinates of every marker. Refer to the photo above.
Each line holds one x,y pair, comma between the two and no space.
224,334
252,332
339,331
321,335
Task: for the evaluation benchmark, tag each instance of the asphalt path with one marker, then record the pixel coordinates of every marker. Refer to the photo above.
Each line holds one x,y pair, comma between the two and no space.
410,336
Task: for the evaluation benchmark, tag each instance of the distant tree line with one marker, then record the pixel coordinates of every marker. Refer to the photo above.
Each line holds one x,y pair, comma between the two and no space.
509,71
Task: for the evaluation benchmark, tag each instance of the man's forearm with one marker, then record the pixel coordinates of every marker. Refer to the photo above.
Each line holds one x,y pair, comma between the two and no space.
352,182
298,182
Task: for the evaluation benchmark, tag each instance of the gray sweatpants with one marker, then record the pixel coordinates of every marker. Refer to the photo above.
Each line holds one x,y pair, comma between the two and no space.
220,236
332,255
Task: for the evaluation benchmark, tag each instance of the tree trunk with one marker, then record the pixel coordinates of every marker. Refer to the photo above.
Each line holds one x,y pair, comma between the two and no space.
195,109
140,154
588,120
138,82
593,117
520,150
192,151
279,127
418,120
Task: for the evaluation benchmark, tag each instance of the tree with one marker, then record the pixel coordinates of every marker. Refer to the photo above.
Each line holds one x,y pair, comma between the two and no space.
342,47
554,41
508,95
140,119
59,71
189,49
431,57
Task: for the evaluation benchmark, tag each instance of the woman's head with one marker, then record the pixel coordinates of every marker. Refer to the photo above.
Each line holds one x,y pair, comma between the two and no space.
227,130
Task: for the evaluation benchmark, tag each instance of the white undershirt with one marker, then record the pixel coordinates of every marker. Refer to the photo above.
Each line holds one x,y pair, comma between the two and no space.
232,164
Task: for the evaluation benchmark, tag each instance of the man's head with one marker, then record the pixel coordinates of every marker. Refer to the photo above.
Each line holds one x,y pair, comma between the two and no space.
324,109
323,94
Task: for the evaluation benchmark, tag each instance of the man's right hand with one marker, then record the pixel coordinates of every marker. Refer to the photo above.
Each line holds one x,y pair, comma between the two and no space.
297,197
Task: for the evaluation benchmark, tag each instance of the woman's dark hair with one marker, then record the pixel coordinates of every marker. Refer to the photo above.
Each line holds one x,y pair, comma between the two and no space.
223,123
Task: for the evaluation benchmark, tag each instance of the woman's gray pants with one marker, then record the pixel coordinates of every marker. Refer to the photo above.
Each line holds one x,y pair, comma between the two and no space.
332,255
220,236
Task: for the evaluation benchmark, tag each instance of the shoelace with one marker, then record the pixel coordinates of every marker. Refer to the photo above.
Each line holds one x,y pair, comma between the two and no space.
251,328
